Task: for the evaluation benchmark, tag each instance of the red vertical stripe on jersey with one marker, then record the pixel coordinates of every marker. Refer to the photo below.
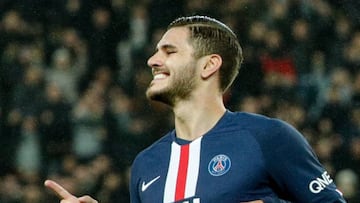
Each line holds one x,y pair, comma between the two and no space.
182,173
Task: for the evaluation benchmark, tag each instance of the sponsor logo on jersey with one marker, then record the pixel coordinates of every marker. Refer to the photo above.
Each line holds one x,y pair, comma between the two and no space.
320,183
144,185
219,165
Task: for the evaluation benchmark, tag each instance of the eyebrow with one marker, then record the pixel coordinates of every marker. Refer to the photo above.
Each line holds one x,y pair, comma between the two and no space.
166,47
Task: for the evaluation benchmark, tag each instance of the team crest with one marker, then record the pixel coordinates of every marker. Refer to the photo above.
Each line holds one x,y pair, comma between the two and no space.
219,165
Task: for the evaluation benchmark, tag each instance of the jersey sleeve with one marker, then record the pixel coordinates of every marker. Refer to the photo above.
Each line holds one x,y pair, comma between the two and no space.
294,170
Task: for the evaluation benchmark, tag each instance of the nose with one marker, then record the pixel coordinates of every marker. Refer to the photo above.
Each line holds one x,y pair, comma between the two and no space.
154,61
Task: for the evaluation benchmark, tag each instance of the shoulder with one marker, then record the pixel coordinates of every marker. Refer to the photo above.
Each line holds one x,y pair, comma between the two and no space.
264,129
158,148
256,122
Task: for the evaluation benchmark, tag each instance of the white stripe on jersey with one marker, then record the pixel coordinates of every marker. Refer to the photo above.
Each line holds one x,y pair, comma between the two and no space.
192,171
170,184
193,168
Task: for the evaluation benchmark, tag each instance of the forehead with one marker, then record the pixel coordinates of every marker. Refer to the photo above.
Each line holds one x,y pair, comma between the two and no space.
177,36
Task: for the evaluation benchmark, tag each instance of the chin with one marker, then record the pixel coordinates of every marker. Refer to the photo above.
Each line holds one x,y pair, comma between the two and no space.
159,96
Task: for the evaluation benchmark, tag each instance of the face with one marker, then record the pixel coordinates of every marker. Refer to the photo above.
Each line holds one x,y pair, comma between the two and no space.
173,67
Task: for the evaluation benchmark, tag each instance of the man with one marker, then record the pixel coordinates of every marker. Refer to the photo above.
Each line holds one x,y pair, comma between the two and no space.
213,154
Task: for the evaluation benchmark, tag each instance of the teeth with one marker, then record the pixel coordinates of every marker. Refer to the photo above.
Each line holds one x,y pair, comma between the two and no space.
159,76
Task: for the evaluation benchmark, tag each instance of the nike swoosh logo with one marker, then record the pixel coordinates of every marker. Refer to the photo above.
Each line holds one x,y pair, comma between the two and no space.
144,185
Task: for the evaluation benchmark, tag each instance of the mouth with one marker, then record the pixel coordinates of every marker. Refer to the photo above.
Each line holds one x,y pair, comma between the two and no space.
159,75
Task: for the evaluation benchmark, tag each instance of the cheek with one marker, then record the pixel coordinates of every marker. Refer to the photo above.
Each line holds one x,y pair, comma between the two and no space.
180,67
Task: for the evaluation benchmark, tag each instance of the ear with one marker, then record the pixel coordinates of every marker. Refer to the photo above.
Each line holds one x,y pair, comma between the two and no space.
212,64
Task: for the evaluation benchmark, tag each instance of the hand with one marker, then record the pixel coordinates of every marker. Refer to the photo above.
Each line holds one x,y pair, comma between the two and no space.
65,196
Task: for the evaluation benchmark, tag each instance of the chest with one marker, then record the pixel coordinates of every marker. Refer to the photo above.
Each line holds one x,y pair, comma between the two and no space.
226,169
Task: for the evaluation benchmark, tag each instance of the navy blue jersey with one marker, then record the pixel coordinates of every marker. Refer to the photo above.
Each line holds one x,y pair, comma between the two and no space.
244,157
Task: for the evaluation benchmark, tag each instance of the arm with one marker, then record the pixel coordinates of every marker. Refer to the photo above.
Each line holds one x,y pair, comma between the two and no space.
295,172
65,196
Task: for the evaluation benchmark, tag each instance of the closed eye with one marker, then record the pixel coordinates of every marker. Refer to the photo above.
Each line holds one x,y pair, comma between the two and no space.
168,49
170,52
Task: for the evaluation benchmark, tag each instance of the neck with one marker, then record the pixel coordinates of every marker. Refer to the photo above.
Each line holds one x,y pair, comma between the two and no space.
198,115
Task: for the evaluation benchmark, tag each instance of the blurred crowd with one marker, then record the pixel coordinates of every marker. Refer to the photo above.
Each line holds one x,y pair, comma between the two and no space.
73,76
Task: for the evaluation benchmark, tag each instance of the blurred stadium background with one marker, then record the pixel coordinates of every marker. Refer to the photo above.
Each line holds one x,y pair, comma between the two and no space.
73,75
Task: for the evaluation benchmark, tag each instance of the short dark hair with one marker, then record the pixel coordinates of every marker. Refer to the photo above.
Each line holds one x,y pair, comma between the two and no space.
210,36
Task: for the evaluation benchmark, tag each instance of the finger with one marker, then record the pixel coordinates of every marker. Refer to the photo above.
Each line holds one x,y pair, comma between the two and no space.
58,189
87,199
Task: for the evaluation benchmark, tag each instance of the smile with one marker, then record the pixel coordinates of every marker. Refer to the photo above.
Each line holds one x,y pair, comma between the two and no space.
160,76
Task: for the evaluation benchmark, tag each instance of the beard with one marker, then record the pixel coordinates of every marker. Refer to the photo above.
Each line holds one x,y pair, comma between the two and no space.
179,88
